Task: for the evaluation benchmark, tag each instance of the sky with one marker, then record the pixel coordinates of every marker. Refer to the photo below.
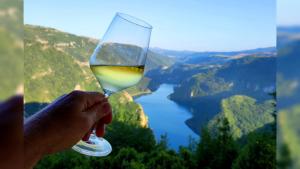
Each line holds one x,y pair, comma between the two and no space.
288,12
199,25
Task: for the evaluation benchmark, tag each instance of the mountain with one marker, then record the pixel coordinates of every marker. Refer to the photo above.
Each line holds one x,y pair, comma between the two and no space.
287,35
288,134
196,57
288,100
61,61
11,48
288,66
51,70
82,47
288,69
206,59
295,30
11,15
118,53
172,53
127,111
199,85
249,75
173,74
155,60
202,93
223,57
181,71
244,115
56,63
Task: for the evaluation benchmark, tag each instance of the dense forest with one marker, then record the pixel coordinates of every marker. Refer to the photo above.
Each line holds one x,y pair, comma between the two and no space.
216,151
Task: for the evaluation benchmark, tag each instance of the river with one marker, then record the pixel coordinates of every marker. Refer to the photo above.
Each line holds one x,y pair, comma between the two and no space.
167,117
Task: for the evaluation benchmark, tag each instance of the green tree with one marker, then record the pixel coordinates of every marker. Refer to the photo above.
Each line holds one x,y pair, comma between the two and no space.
227,148
205,148
258,153
285,160
274,113
66,160
163,142
101,163
188,158
128,158
123,135
219,151
164,159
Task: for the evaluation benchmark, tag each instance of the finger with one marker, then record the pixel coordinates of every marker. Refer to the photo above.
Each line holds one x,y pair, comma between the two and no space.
100,129
87,135
62,97
106,107
86,99
98,111
107,119
92,98
14,104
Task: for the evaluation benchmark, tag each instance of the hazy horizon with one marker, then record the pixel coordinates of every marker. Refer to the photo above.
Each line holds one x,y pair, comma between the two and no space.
157,47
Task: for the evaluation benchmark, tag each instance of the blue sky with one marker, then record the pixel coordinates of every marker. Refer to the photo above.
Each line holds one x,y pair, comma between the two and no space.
201,25
288,12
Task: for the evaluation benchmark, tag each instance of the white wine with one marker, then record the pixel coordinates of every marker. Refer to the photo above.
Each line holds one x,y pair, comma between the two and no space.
114,78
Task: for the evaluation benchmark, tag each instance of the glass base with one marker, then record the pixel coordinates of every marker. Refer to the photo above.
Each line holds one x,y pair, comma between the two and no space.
95,146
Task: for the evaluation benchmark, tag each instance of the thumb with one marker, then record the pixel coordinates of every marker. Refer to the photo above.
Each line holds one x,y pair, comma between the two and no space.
99,110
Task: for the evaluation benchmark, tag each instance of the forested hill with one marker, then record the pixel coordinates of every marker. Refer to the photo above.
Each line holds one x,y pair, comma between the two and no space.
250,75
58,61
80,47
11,48
288,96
205,92
244,115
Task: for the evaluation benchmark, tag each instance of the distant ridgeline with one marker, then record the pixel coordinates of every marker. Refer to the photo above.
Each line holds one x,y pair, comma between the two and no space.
212,83
57,63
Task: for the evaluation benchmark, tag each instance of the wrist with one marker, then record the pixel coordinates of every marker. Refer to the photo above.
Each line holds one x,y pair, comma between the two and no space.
34,142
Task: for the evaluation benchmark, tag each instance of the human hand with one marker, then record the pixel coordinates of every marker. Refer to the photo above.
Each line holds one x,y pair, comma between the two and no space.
11,125
64,122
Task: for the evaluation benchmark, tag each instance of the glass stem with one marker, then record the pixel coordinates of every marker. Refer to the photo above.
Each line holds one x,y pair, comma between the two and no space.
107,93
94,133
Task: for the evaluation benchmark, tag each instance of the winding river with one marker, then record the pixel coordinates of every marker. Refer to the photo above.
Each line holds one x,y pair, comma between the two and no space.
167,117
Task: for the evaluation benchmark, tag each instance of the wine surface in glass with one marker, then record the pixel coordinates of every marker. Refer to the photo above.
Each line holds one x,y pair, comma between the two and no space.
117,77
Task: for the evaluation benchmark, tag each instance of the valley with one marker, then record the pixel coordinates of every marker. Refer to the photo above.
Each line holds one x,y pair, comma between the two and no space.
202,88
201,82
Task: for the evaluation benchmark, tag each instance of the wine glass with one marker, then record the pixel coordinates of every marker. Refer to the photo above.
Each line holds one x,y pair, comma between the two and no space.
118,62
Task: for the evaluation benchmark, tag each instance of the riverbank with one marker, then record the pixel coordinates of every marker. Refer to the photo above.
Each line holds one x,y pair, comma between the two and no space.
140,93
167,117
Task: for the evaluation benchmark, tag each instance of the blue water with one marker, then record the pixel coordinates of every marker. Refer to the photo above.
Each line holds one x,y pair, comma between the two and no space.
165,116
